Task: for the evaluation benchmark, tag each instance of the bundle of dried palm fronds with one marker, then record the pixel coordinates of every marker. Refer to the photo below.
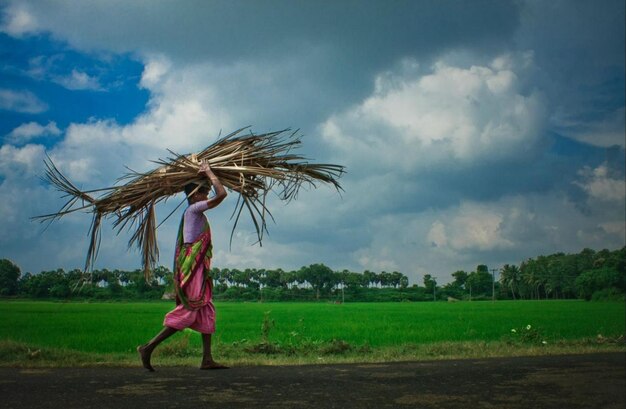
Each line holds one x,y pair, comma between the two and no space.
250,164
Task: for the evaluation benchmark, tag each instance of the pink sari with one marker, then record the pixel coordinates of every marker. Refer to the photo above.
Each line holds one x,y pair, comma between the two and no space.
193,284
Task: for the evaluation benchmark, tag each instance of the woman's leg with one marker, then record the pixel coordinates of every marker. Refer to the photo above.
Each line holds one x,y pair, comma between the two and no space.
207,357
145,351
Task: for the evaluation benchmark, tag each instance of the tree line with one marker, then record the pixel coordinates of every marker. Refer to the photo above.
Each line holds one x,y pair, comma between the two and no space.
313,282
589,275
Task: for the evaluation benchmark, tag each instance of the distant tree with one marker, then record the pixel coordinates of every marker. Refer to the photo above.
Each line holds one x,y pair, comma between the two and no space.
452,289
253,278
585,260
384,279
321,278
510,278
460,277
288,279
395,279
479,281
368,278
596,280
534,273
430,284
239,278
352,280
138,283
61,289
161,274
404,281
102,277
125,277
45,284
273,278
9,277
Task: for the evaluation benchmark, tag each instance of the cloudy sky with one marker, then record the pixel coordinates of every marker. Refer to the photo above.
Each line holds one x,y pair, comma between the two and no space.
477,132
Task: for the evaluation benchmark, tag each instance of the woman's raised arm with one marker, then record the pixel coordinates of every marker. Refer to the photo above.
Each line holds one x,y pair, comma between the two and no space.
220,191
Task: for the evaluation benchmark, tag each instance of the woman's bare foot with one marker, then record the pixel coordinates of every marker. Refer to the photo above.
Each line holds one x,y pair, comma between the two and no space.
145,357
212,365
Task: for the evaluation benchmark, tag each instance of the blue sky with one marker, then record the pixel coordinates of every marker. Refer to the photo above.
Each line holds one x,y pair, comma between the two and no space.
481,132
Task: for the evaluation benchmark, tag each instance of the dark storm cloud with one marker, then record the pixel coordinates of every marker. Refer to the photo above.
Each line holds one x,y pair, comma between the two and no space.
579,50
364,33
352,39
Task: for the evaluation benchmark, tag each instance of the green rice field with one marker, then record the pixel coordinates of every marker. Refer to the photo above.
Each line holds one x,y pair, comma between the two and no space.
362,328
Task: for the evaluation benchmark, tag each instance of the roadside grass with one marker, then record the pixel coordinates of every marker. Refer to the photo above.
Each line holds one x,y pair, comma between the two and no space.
48,334
15,354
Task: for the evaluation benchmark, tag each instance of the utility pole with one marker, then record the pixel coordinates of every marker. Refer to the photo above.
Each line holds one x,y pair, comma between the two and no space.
493,284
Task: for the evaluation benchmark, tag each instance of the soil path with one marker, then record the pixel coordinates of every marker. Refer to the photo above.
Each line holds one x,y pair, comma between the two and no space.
572,381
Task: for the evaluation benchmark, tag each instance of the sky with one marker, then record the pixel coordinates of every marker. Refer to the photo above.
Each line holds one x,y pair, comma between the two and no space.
482,132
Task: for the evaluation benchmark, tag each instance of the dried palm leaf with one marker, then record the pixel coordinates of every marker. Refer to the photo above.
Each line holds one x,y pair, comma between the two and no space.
249,164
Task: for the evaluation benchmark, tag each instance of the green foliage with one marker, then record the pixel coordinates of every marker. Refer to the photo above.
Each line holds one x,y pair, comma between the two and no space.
527,334
9,275
567,276
60,290
608,294
479,282
266,326
101,285
429,284
589,275
598,279
460,277
452,290
313,283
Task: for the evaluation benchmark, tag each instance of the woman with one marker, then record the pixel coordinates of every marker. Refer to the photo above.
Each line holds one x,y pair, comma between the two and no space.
192,282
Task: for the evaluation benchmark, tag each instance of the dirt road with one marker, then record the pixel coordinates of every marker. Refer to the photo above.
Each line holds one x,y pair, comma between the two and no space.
573,381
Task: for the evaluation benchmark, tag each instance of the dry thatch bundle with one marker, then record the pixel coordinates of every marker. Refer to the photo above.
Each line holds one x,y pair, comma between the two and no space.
249,164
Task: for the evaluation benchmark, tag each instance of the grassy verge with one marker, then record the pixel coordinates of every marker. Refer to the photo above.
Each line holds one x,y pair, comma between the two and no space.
178,352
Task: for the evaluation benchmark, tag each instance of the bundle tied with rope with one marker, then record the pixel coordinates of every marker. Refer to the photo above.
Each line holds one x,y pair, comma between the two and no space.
249,164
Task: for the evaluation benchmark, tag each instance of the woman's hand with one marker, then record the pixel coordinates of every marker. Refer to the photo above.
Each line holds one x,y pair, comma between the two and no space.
204,167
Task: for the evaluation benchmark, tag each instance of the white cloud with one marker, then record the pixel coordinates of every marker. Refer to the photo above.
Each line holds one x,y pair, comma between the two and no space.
54,68
183,115
18,21
600,185
452,114
472,226
18,162
32,130
383,261
21,101
78,80
437,234
617,228
155,68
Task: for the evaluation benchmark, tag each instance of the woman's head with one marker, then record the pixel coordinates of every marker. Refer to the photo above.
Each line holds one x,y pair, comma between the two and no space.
201,193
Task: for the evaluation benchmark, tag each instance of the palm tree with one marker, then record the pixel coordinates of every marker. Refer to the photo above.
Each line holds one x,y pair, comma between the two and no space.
510,277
